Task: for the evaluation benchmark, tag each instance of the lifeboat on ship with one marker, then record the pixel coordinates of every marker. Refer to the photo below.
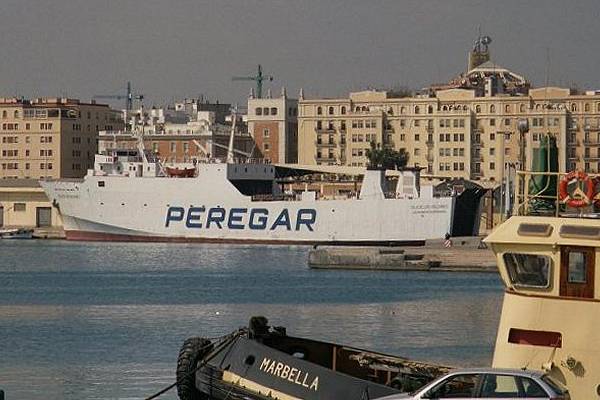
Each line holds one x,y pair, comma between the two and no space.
175,172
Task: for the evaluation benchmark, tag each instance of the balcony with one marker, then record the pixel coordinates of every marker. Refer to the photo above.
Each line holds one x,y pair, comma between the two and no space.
591,158
325,143
325,130
325,158
587,142
589,127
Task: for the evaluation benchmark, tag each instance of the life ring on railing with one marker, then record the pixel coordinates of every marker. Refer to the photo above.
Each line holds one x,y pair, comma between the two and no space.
577,198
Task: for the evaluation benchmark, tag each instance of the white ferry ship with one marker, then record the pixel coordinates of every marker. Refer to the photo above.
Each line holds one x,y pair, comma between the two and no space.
129,196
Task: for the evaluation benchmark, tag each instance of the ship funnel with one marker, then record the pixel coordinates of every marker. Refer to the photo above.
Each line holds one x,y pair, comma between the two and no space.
373,185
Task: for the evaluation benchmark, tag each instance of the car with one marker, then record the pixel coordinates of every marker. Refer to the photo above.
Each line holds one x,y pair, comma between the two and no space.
489,383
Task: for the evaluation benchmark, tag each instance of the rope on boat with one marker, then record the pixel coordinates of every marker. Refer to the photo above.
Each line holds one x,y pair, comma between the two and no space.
225,341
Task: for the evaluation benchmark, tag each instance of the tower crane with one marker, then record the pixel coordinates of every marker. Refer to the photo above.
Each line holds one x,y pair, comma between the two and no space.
258,78
129,97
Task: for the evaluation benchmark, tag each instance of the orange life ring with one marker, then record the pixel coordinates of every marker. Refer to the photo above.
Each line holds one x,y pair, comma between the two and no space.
578,198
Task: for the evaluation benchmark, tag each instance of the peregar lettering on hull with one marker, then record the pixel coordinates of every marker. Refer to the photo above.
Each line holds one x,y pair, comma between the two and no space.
241,218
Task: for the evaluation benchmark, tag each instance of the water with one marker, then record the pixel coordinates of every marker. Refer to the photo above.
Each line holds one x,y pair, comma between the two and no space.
105,321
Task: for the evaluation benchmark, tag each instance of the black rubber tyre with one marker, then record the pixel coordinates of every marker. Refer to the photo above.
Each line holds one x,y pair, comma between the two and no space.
193,350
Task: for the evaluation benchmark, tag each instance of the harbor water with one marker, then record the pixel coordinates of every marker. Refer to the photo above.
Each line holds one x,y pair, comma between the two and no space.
106,320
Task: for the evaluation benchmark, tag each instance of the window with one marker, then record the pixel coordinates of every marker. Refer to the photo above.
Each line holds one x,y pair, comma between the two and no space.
457,386
266,133
266,146
319,110
492,109
492,136
532,389
257,111
492,122
417,110
417,137
576,268
265,110
492,166
499,386
186,147
417,152
343,110
273,110
330,110
528,269
19,207
173,147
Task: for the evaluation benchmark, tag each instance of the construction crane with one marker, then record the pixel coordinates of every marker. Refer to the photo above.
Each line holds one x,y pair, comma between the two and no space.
258,78
129,97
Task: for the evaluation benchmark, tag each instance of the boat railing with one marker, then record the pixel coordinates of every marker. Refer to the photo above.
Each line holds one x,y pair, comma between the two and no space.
539,194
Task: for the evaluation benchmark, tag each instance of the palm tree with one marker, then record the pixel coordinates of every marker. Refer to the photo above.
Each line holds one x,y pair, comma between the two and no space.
386,158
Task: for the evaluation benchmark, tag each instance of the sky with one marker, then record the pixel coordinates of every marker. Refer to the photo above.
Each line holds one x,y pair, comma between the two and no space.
173,49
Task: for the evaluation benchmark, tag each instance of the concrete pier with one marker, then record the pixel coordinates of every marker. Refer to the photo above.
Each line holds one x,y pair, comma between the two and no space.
466,254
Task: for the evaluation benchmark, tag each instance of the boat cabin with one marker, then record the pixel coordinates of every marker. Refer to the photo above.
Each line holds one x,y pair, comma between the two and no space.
548,256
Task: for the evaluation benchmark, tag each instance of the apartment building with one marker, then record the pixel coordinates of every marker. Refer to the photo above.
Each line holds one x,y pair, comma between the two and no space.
51,137
273,123
467,128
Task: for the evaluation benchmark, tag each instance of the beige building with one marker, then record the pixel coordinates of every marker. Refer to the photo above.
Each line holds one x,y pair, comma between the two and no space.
23,203
467,128
273,123
51,137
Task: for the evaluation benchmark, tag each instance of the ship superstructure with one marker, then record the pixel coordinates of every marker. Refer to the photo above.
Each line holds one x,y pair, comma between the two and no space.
548,254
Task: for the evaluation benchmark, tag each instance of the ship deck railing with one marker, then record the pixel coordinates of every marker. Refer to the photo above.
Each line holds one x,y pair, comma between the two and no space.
546,202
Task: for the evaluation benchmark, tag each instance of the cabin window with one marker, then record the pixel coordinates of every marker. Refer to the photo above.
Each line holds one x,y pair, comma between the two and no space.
530,270
577,271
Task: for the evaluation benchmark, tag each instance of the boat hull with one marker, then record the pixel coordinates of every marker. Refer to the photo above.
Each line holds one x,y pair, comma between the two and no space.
263,362
167,210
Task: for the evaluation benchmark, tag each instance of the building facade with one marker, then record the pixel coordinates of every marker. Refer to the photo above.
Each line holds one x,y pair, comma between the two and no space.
51,137
273,123
184,141
468,128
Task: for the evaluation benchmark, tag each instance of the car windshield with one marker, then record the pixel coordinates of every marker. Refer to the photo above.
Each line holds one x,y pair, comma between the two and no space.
558,387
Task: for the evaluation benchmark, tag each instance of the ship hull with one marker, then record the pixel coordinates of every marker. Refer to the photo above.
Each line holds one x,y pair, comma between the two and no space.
263,362
175,210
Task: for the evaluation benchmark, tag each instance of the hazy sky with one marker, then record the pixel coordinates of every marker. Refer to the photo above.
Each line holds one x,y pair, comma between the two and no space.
181,48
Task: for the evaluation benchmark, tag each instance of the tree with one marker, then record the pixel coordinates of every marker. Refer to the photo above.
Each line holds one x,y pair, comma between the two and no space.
386,158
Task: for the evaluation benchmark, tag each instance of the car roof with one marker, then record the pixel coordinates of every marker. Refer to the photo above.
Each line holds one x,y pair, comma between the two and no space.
501,371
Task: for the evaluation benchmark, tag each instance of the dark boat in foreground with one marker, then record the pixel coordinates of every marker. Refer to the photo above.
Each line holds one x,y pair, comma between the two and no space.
262,362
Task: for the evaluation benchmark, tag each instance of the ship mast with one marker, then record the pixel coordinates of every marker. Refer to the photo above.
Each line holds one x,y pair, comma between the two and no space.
231,135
